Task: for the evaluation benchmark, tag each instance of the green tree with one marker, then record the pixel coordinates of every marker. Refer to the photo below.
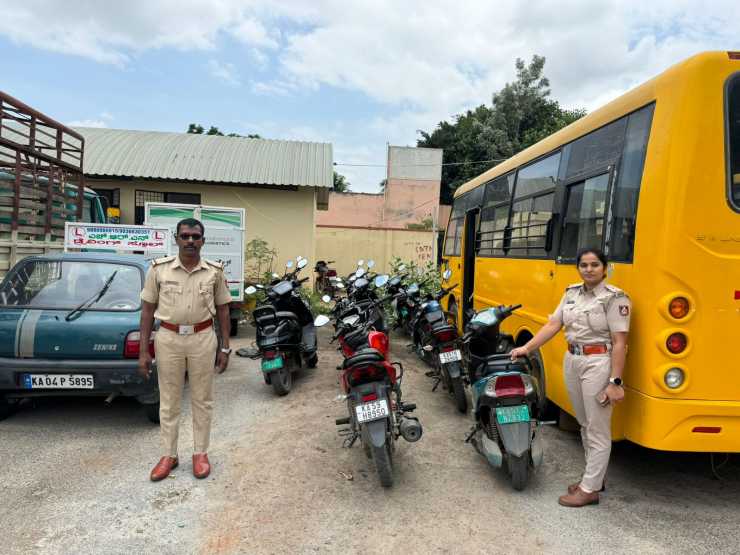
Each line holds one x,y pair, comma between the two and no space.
341,185
198,129
521,114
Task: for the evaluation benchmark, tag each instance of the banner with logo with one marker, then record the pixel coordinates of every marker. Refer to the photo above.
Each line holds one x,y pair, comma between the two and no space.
113,237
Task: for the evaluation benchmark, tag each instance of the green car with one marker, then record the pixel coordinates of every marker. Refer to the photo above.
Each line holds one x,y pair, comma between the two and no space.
69,325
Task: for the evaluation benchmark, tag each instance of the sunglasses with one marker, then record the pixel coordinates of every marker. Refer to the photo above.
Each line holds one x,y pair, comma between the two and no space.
193,236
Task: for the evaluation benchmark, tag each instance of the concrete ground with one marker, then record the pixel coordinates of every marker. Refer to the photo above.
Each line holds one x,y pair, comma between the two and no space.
74,479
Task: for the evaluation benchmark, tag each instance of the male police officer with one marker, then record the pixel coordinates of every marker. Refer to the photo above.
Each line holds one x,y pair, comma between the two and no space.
185,292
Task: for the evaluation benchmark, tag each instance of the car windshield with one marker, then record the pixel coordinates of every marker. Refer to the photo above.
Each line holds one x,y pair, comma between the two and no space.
65,284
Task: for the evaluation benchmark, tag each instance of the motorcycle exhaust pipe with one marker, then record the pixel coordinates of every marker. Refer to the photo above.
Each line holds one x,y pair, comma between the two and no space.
410,429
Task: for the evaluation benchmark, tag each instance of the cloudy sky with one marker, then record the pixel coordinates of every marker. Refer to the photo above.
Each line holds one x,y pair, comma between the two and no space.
358,74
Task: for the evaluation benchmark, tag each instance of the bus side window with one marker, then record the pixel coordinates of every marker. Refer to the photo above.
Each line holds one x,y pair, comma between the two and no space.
733,138
583,225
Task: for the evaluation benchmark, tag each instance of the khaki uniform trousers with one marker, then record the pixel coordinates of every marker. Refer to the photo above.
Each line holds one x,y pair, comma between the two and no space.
175,354
586,377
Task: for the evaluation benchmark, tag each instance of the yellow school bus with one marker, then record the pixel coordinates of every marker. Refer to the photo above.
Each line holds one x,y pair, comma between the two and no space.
652,178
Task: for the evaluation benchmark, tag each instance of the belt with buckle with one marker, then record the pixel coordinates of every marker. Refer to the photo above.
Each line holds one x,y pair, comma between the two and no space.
189,329
594,349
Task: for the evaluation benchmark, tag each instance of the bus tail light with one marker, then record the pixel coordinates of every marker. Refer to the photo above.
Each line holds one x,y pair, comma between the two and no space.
676,343
674,378
706,429
679,307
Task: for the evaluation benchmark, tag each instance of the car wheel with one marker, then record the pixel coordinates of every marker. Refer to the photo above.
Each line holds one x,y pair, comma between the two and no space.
7,407
152,412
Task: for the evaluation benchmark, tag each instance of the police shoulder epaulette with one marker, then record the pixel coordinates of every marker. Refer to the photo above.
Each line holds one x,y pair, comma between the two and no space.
217,265
574,286
158,261
616,290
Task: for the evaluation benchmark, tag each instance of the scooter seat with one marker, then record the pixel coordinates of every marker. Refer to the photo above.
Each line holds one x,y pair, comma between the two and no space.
285,315
442,326
364,356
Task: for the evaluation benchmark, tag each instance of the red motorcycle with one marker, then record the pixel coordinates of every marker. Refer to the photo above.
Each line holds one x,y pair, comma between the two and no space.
326,280
372,388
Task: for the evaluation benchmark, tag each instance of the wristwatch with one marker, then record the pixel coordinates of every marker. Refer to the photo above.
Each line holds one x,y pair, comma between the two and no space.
616,381
226,351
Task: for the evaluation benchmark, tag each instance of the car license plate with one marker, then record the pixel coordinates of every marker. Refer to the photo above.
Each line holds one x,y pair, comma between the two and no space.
58,381
512,415
450,356
374,410
272,364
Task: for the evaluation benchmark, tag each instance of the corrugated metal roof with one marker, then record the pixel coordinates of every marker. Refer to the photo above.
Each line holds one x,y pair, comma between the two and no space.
206,158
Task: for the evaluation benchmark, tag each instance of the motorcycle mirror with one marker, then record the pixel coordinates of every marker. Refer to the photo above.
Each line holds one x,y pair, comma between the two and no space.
298,258
251,290
370,263
289,264
360,262
380,281
326,298
352,278
402,268
302,263
447,274
321,320
259,286
360,272
339,286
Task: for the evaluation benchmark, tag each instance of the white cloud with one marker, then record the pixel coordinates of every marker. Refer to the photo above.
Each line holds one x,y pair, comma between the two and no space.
421,62
224,71
87,123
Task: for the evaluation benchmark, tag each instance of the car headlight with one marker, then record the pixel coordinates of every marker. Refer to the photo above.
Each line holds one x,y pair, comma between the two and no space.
674,378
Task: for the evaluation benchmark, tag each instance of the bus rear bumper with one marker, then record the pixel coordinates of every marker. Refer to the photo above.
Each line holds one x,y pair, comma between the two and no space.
682,425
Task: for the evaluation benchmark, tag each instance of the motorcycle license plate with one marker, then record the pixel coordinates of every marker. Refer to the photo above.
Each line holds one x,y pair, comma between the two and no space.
450,356
374,410
512,415
272,364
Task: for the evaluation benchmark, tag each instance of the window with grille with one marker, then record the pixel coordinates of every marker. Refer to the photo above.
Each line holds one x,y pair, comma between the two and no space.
142,197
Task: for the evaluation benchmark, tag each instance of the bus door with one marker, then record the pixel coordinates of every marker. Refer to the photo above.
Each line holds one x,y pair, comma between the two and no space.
468,261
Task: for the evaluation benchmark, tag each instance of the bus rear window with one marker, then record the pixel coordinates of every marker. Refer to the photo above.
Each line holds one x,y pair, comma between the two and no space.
733,138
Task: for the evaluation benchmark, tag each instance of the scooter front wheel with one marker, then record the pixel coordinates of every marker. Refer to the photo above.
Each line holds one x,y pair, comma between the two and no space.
519,470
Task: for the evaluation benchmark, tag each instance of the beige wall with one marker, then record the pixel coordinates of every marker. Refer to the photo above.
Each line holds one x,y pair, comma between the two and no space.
283,218
347,245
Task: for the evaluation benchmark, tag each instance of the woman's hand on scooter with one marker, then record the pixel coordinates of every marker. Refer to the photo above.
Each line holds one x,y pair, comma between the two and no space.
519,352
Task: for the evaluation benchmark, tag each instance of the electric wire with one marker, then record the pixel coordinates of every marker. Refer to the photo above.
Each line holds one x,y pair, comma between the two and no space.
419,165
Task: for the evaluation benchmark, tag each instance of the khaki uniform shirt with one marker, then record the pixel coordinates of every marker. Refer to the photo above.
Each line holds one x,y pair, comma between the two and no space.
592,316
184,297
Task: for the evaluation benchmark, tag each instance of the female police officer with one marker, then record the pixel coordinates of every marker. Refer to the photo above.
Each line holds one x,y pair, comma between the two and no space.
596,317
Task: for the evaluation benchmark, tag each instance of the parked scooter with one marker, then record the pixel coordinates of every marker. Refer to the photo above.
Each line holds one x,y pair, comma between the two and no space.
371,385
286,335
438,344
504,396
326,278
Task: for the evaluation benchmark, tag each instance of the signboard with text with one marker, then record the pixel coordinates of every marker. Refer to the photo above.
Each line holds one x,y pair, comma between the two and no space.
113,237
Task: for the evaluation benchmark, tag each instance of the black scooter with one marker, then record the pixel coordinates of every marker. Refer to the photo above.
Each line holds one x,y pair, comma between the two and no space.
286,335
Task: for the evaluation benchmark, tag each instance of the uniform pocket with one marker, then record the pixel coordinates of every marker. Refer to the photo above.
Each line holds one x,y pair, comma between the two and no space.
569,315
597,319
206,293
172,292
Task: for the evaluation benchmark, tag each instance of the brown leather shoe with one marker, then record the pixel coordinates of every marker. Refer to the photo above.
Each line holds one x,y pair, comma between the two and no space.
163,468
572,488
579,498
201,466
